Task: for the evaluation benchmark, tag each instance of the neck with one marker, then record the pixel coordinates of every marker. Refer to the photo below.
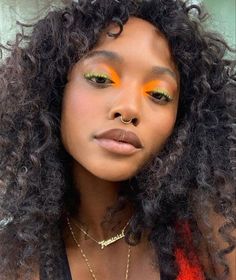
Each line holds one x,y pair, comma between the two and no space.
96,196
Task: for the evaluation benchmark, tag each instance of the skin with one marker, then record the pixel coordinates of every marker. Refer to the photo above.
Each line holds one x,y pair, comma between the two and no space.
97,173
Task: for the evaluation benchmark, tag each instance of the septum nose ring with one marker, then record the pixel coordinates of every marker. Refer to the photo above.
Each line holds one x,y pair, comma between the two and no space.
125,121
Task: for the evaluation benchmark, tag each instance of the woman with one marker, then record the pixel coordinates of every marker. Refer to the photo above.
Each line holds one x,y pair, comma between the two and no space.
117,157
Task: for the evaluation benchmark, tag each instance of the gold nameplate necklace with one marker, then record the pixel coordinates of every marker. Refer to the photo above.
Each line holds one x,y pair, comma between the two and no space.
114,239
103,243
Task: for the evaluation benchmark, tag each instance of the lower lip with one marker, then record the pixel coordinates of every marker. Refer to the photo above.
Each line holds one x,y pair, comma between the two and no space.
116,147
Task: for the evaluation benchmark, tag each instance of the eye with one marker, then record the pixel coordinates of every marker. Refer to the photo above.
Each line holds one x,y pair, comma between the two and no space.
160,97
100,80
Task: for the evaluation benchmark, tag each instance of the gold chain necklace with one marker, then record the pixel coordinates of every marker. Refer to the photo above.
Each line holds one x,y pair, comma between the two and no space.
86,259
104,243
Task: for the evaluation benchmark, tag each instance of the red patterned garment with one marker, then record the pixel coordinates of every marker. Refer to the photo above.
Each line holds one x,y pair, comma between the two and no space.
188,270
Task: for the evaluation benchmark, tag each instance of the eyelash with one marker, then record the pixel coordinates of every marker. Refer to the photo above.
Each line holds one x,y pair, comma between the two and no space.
160,94
90,76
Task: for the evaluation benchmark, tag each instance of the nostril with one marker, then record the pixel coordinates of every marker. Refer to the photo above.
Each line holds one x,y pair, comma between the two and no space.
117,115
135,121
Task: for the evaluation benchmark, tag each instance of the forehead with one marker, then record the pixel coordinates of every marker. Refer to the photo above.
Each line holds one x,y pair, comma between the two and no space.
139,41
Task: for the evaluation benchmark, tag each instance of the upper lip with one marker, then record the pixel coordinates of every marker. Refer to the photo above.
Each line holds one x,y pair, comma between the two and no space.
121,135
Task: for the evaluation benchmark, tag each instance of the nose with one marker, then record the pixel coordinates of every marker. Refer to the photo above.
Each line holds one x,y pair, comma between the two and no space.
126,105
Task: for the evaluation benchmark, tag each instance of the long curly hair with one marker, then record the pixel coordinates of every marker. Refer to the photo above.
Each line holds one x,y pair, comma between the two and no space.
194,173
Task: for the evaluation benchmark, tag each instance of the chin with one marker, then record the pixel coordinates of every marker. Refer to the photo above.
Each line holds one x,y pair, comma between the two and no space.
108,171
114,175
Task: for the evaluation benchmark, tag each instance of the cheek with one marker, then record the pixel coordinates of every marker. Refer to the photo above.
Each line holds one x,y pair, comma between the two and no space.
161,129
76,102
166,125
76,110
80,105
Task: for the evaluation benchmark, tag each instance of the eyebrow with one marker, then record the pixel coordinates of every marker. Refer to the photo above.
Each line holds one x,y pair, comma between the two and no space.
155,70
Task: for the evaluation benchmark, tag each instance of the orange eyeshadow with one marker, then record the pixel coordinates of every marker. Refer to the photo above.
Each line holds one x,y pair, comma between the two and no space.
113,75
155,85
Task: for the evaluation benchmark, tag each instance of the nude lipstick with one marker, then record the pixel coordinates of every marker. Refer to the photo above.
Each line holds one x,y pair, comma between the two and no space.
119,141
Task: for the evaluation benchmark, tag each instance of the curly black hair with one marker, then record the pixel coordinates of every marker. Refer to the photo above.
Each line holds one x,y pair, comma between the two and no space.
194,173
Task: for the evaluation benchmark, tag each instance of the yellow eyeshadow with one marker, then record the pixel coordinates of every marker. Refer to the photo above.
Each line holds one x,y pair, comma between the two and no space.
152,86
114,76
163,91
92,74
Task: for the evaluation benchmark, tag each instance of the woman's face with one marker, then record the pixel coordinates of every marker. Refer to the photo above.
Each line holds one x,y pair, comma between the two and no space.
133,76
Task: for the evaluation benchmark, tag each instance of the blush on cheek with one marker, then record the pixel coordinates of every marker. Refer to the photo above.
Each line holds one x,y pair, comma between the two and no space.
81,105
79,102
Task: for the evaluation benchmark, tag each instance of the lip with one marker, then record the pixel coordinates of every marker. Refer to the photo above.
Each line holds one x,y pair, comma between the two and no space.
119,141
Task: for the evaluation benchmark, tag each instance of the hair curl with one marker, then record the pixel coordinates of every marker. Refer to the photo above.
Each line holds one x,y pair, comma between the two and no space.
194,172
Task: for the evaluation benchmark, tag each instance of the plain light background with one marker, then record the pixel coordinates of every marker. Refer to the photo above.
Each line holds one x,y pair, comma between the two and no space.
223,16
